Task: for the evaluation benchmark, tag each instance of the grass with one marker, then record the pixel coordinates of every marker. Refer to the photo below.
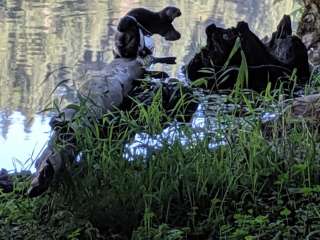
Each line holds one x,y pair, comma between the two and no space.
262,184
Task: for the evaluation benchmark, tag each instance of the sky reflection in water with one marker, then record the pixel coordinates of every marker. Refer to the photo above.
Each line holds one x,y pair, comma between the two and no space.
20,147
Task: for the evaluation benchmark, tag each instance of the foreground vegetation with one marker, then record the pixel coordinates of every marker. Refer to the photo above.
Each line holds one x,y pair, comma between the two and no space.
263,183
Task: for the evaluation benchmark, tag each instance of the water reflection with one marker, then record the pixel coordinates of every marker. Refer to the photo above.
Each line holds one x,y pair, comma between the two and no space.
38,37
22,140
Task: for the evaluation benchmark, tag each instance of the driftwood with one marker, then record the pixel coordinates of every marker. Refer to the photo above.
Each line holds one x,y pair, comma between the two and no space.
102,90
309,29
272,63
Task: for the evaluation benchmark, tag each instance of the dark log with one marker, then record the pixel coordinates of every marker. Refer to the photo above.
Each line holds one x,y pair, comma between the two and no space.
289,49
164,60
264,65
172,91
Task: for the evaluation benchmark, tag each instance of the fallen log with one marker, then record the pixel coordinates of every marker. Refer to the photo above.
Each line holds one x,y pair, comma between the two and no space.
102,90
227,49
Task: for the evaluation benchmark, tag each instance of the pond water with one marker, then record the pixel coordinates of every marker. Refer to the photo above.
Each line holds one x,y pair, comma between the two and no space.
38,37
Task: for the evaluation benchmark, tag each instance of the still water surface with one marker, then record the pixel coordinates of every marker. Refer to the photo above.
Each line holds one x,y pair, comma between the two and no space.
38,37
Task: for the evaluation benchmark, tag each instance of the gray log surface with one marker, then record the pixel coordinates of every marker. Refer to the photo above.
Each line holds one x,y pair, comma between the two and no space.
103,88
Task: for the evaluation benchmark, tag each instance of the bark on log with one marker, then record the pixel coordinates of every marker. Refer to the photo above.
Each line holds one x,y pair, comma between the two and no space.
102,90
106,88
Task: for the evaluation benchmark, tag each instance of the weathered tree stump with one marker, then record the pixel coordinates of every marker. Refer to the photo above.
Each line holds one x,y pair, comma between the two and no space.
289,49
265,64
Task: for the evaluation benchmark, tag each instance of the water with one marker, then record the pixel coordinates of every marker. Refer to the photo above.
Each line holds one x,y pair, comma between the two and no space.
38,37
